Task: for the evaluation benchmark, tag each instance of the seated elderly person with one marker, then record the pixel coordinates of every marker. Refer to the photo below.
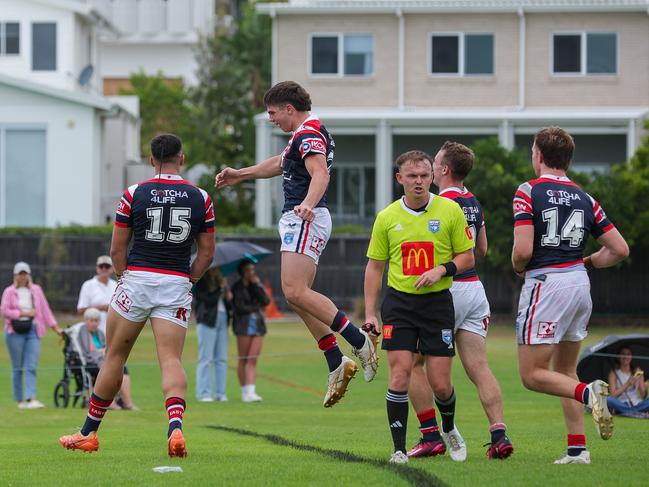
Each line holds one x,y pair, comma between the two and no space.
93,347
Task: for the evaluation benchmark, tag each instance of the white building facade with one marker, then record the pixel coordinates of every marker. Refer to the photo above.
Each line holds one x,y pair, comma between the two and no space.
54,142
389,76
155,36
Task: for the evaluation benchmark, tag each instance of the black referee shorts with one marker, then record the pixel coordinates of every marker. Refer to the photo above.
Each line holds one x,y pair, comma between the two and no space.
421,323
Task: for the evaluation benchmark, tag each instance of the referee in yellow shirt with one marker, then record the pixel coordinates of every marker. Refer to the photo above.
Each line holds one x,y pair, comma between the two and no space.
426,241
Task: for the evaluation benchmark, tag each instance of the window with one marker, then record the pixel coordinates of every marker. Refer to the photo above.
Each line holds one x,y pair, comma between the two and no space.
342,54
23,189
462,54
584,53
9,38
44,46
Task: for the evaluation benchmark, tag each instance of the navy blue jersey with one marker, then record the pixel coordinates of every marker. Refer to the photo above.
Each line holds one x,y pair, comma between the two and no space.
166,214
474,218
310,138
563,215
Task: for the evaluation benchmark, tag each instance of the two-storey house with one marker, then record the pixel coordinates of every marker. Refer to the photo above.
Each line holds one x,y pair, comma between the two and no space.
391,75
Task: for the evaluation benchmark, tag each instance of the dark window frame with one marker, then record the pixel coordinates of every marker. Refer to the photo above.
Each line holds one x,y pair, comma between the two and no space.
583,68
461,55
3,38
340,55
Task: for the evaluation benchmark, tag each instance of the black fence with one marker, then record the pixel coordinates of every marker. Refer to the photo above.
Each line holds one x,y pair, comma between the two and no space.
61,263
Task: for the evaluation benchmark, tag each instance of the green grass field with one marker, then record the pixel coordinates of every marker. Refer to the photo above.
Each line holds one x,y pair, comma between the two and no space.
290,439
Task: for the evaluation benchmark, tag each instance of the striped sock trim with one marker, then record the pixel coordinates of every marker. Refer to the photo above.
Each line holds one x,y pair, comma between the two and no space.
426,415
396,396
579,392
497,426
429,429
576,441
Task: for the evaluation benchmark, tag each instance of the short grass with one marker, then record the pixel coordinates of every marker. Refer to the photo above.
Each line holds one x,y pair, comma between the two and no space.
290,439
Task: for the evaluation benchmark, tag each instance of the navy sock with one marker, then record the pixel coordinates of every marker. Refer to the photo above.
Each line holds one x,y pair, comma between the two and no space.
347,330
447,410
96,410
576,444
175,411
397,406
428,425
331,351
498,431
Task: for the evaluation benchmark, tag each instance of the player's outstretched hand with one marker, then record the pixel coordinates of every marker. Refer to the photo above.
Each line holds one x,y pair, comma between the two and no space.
304,212
371,325
227,177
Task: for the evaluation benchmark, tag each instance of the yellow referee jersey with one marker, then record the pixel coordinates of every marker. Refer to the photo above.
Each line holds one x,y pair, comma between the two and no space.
415,242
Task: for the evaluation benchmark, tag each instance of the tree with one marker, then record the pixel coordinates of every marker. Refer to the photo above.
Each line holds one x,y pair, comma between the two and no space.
163,108
233,75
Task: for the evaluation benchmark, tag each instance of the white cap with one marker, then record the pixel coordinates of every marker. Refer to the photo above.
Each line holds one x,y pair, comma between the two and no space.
91,314
22,267
104,259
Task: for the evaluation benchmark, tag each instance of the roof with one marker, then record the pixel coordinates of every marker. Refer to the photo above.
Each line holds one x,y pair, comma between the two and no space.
80,98
425,6
480,116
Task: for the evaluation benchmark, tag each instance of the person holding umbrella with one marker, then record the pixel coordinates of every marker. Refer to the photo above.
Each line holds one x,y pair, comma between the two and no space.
628,395
248,302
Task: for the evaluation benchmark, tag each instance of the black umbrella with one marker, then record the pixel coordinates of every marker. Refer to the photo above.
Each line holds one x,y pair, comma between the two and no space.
230,254
596,361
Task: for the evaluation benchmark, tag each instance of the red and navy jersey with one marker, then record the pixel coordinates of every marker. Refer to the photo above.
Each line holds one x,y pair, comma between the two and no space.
474,218
563,216
310,138
166,214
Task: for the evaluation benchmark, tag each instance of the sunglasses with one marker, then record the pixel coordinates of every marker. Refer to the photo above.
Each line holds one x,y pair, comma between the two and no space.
104,266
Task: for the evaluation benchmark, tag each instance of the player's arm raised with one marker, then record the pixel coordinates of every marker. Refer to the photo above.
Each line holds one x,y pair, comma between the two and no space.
372,288
269,168
204,255
316,164
119,248
523,247
614,250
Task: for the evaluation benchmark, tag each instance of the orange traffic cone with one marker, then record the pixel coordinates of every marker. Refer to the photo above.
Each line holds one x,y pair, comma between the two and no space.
272,311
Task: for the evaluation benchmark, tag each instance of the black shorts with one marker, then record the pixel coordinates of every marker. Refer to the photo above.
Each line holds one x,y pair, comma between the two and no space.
421,323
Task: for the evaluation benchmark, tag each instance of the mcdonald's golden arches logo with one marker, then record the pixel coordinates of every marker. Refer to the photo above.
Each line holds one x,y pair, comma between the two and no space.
417,257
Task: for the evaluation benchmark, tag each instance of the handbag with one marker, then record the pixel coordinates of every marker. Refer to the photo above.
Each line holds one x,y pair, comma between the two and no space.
22,327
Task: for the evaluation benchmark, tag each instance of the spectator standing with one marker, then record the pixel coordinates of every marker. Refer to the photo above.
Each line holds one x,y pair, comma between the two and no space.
212,301
26,313
98,291
248,301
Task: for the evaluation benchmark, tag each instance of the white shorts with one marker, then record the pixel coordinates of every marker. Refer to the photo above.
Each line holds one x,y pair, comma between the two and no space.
554,308
140,295
302,237
471,307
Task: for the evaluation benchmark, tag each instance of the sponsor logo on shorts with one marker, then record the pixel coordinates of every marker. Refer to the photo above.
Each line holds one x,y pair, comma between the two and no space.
468,233
433,226
447,337
416,258
124,302
387,332
317,245
546,329
181,314
288,238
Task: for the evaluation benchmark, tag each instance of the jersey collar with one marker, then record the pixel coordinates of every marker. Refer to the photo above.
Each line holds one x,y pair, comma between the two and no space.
555,178
170,177
454,188
402,200
307,119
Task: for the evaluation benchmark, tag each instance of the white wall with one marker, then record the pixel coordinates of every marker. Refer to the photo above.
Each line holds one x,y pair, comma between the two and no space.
67,64
175,60
72,152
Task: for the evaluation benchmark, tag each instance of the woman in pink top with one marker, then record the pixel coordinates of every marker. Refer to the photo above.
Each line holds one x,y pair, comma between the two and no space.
26,313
